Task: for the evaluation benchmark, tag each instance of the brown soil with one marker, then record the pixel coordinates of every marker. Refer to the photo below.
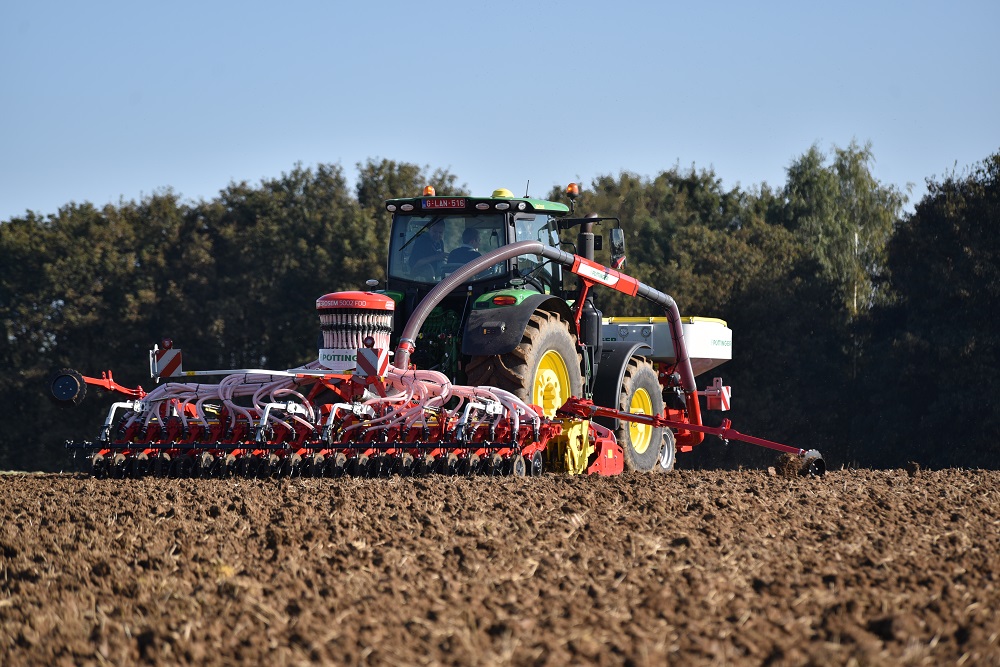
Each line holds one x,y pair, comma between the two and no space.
687,568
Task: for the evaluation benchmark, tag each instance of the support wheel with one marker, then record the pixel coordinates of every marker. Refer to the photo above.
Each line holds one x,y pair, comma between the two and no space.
67,387
544,368
246,466
668,452
536,464
640,392
182,467
516,466
268,466
813,464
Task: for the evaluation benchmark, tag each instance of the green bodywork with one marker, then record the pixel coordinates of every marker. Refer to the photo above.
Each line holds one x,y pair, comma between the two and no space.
486,300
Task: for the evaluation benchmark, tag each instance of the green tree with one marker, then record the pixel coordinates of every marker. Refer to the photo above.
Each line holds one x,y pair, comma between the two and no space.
931,389
70,295
276,249
664,218
846,215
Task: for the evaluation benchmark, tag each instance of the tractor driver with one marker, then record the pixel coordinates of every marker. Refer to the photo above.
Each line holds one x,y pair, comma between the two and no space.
469,250
428,253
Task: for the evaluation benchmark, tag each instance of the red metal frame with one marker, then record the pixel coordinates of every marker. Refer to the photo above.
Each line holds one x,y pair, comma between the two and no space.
582,407
108,383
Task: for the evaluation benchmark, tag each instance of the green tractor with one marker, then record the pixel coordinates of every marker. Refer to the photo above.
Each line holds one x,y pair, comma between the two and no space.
516,324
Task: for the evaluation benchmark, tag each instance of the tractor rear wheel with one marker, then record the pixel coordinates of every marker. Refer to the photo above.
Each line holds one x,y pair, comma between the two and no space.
544,368
640,393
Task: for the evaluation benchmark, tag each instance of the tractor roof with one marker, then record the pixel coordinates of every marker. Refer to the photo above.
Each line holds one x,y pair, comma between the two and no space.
497,202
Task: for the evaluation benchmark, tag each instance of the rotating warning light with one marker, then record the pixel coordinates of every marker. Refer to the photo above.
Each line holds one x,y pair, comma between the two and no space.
429,191
572,190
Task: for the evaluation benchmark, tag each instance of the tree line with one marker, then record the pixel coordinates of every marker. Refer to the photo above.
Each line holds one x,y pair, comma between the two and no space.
859,329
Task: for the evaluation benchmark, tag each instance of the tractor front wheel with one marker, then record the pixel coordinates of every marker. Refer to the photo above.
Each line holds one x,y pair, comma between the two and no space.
640,393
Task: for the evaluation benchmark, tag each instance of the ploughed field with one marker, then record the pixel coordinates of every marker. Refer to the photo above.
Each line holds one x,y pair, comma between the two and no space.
689,567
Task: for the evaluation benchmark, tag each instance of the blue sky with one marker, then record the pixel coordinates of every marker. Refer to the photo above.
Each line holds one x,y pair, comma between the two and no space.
110,100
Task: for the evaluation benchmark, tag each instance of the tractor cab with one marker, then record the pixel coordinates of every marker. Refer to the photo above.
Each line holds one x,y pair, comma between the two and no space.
433,236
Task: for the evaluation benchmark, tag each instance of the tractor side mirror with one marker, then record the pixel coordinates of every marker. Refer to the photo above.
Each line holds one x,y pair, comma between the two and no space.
616,237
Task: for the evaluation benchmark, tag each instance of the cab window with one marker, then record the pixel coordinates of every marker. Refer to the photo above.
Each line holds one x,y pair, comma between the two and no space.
427,248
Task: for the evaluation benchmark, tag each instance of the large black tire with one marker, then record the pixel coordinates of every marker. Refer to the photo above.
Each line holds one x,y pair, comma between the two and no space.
544,368
640,391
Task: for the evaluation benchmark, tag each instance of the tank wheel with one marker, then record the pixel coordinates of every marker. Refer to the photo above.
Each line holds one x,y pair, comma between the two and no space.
99,466
536,464
640,392
668,452
544,368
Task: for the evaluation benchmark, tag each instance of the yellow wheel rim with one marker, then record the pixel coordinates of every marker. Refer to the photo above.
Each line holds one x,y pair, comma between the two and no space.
640,434
551,388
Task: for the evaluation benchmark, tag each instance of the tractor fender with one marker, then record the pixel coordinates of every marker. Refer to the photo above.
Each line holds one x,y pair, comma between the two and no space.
611,371
498,330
